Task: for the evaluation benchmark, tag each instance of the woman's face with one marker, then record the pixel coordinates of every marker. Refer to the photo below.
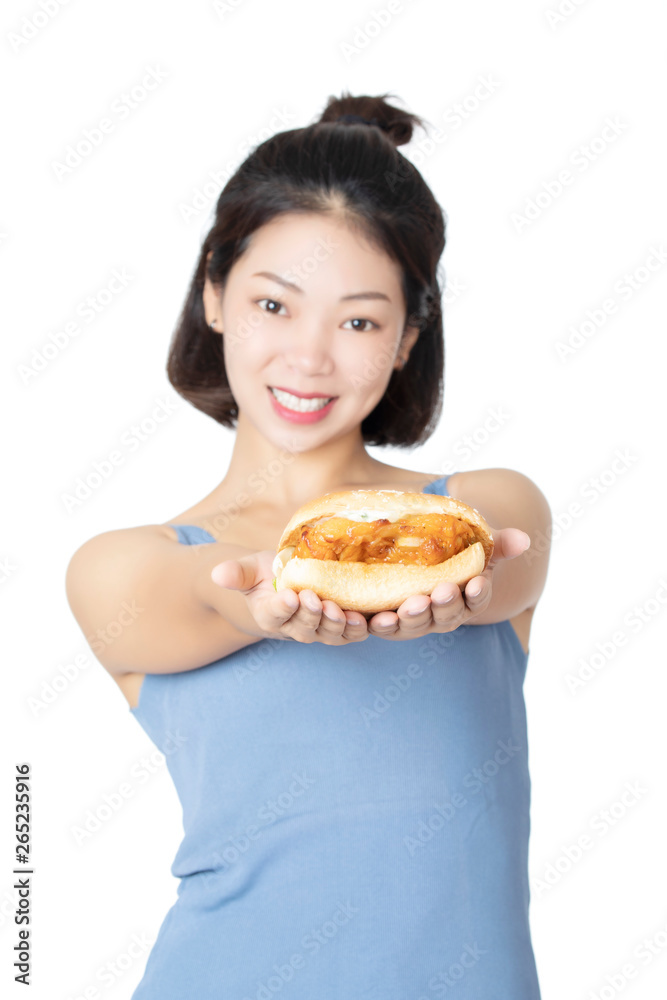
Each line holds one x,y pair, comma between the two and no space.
310,309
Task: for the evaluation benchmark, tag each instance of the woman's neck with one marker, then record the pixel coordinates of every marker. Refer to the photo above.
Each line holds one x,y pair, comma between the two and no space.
286,475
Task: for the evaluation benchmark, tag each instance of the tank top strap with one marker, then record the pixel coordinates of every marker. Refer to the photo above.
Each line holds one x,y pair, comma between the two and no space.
438,486
191,534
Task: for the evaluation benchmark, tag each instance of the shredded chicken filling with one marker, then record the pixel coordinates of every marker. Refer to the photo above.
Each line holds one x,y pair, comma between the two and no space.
422,539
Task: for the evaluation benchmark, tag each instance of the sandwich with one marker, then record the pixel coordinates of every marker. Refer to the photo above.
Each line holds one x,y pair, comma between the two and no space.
369,550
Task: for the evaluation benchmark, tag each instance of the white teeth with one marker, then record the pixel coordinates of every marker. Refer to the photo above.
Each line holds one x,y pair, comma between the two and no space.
299,404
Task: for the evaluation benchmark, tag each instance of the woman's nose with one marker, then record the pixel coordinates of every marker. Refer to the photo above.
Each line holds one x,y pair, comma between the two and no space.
308,349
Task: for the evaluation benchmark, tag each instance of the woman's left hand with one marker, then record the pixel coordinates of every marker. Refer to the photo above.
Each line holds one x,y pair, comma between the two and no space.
448,606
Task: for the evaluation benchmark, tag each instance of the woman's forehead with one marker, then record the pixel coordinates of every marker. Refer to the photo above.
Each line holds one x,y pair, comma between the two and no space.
304,244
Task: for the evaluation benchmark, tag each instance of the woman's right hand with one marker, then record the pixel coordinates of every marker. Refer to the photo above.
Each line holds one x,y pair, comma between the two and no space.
287,614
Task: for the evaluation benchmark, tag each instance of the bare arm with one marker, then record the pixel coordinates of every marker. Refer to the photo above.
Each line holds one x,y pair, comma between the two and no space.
149,604
508,499
146,603
515,508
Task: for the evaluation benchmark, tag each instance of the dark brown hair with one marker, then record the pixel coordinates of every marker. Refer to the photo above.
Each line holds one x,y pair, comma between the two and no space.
312,169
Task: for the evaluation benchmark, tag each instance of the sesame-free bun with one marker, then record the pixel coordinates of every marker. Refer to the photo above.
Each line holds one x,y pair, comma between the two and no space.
373,587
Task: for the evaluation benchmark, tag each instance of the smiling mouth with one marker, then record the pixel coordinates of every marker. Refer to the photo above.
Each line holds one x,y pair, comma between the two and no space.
298,403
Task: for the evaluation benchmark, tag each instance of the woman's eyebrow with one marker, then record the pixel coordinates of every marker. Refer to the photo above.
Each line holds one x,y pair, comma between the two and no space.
344,298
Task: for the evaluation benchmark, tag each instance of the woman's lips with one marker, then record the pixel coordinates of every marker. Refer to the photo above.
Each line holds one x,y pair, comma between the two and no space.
302,395
299,417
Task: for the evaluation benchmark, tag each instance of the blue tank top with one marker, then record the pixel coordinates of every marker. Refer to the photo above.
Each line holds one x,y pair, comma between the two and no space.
356,819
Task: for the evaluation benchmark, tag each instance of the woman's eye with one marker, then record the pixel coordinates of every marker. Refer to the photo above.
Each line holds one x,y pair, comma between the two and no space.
366,329
273,302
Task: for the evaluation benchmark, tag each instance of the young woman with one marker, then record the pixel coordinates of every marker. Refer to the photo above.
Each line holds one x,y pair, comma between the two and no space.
355,792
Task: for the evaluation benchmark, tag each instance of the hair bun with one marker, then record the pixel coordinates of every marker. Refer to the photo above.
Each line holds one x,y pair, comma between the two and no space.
365,110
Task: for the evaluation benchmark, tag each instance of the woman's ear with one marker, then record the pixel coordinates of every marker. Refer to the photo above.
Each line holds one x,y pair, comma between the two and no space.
211,300
408,339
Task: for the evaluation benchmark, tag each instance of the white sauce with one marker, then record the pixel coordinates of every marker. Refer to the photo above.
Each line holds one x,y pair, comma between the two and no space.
362,514
281,558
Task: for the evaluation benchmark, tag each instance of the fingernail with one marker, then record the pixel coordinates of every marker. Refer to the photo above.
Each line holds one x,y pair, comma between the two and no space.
474,592
418,611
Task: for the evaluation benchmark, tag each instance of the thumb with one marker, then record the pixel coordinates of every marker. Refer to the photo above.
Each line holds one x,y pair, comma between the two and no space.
509,543
235,574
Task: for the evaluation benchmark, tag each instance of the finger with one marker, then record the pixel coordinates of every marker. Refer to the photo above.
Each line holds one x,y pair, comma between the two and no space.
282,607
303,622
447,605
384,623
235,574
508,543
332,613
287,602
477,593
309,612
356,626
414,614
333,621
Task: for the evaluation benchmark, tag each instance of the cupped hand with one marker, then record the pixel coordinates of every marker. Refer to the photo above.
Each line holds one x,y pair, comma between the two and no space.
449,606
286,614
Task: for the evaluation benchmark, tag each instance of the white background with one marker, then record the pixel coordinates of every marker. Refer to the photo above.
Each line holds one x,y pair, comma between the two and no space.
232,78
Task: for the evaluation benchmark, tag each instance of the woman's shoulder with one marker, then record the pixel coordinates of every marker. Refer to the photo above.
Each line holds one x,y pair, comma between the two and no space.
505,497
487,481
479,488
390,477
468,482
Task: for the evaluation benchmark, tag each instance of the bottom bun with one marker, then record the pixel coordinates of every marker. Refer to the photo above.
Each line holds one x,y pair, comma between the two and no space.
372,587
